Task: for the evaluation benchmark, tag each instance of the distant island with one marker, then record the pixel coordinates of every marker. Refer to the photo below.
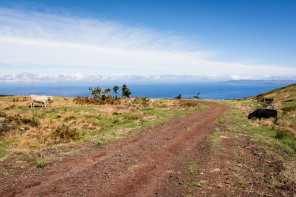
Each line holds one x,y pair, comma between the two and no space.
262,82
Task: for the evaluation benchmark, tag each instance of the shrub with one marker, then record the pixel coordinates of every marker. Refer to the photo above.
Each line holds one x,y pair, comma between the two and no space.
280,134
189,104
34,122
2,114
65,134
132,117
15,99
41,163
144,100
178,97
99,144
287,138
197,96
266,101
67,119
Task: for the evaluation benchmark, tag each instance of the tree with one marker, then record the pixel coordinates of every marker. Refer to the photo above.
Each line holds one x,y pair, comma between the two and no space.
96,92
115,89
125,91
197,97
104,93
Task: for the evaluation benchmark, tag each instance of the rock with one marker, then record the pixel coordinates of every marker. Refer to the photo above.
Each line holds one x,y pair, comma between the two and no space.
4,127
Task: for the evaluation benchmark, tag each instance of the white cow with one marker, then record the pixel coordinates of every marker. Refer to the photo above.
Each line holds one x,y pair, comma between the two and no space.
39,99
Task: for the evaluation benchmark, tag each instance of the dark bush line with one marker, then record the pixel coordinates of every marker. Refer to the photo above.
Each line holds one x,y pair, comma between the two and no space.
97,101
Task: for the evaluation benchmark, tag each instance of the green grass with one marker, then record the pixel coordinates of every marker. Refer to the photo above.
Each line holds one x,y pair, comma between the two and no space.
41,162
134,167
4,146
238,122
90,121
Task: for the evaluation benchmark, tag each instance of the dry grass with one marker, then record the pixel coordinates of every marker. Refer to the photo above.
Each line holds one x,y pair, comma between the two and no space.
285,104
36,128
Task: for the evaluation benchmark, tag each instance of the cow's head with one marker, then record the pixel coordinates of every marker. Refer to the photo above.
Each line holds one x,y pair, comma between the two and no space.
250,116
49,98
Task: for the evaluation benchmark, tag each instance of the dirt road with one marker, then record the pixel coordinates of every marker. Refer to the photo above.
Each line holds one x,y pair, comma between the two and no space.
144,165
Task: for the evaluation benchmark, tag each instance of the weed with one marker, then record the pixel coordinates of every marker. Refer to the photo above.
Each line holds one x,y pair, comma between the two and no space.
99,143
240,182
41,162
67,119
3,171
134,167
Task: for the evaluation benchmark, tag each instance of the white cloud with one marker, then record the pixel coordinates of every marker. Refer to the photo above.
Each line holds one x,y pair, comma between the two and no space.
33,77
51,43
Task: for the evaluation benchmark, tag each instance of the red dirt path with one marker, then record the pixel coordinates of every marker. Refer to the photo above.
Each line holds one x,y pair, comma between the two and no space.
143,165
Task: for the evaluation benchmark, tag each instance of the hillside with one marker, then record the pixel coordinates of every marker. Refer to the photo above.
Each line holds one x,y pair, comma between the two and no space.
157,148
283,94
284,101
68,120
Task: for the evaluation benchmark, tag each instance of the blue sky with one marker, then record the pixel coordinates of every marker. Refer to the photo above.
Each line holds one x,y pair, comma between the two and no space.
85,40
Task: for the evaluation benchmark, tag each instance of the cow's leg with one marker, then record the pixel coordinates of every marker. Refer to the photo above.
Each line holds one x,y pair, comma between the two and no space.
275,120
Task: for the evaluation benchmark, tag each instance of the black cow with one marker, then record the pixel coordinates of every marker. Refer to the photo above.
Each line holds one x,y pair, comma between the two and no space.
264,113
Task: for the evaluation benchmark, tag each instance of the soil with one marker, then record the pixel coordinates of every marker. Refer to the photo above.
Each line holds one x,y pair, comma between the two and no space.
173,159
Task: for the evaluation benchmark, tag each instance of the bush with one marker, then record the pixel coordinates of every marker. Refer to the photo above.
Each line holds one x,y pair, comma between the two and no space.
2,114
41,163
34,122
67,119
280,134
96,101
99,144
65,134
178,97
287,138
189,104
266,101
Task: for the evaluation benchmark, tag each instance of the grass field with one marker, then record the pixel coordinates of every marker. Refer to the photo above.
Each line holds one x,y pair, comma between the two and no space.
65,121
244,158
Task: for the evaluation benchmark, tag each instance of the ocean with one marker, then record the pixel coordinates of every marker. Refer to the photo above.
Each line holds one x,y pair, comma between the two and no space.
212,90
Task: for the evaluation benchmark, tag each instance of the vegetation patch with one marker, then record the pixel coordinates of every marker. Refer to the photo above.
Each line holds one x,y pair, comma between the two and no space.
65,134
77,120
246,160
134,167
